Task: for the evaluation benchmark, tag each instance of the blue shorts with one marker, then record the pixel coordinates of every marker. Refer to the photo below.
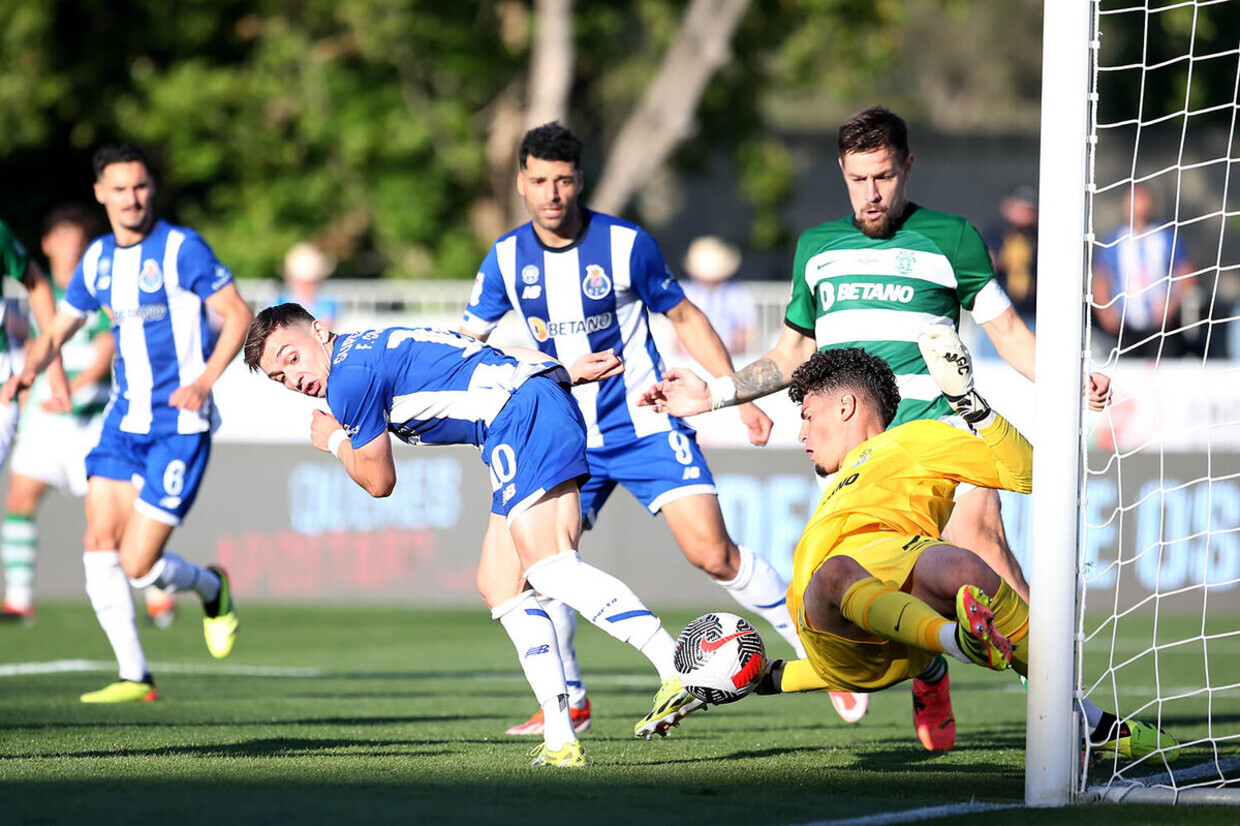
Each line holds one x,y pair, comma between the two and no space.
166,469
536,442
656,469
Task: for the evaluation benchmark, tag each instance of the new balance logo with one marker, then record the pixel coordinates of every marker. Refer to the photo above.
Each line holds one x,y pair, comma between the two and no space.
532,292
692,473
536,650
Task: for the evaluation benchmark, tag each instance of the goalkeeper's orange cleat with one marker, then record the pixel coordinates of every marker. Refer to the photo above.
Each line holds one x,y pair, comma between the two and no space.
536,723
932,714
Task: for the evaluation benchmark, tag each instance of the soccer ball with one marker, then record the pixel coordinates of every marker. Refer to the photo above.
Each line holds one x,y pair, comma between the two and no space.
719,658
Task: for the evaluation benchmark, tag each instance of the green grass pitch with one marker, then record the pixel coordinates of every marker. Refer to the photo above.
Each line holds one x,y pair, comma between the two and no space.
397,716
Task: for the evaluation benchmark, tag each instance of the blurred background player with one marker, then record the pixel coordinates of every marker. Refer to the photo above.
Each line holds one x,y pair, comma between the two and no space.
305,268
583,282
710,263
52,446
15,262
1013,245
1141,283
156,281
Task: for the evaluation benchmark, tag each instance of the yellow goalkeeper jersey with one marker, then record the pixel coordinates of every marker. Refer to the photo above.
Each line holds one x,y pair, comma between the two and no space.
902,482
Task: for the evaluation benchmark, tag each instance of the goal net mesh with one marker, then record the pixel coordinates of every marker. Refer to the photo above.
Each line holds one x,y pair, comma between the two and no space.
1159,573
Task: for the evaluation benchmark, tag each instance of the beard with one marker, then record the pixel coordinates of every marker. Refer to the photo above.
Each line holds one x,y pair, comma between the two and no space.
880,227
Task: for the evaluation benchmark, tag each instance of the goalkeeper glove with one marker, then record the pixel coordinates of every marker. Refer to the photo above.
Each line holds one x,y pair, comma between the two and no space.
951,367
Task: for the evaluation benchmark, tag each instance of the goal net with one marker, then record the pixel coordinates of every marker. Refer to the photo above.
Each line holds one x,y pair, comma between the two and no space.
1156,477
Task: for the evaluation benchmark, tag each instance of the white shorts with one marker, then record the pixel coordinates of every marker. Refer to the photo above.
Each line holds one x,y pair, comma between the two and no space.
52,448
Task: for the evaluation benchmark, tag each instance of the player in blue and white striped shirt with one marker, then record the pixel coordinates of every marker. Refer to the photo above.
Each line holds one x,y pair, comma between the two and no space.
428,386
157,282
582,282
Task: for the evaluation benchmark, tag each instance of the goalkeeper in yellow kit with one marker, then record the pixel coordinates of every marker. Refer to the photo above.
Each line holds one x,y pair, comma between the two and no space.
876,593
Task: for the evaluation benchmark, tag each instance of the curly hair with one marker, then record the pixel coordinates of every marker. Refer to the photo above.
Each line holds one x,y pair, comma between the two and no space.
550,142
873,129
848,368
266,323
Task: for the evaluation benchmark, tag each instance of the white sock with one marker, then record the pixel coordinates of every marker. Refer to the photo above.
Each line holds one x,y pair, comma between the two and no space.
564,619
760,589
108,589
605,602
18,543
1093,714
557,725
172,573
947,639
533,635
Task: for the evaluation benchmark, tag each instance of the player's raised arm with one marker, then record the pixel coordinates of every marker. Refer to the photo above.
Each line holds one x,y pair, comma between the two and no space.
951,367
703,343
682,393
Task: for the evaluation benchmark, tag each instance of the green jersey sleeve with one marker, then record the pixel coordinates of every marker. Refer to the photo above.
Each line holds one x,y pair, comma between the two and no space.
801,313
13,256
972,265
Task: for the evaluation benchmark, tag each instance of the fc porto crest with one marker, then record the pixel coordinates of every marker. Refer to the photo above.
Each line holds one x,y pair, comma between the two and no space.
596,284
529,274
151,278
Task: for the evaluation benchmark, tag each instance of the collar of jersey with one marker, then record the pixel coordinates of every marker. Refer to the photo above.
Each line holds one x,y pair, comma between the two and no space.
586,215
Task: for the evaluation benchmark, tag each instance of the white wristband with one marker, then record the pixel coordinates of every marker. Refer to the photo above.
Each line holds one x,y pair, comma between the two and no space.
722,392
335,440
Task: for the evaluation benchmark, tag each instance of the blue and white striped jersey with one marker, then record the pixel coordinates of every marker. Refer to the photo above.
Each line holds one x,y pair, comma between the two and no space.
155,292
589,296
426,386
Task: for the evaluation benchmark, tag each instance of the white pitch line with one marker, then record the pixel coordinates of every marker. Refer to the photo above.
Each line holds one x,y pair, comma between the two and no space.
1179,777
79,666
914,815
83,666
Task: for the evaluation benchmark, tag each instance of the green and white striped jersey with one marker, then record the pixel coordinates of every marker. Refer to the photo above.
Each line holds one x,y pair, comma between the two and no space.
850,290
13,262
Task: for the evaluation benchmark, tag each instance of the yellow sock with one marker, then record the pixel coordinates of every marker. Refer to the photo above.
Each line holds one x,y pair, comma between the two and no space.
1012,621
892,614
799,675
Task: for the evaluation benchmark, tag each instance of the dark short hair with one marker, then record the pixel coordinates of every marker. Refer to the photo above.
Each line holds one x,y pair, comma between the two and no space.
550,142
111,153
873,129
848,368
75,214
266,323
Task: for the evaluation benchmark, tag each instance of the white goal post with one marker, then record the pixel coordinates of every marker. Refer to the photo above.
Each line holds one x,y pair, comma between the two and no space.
1134,565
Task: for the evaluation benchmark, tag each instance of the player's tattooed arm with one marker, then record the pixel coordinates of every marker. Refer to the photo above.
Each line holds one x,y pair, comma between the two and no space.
761,378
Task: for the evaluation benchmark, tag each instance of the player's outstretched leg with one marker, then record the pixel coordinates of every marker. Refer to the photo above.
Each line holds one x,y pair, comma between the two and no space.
759,588
564,619
610,605
108,589
933,718
975,630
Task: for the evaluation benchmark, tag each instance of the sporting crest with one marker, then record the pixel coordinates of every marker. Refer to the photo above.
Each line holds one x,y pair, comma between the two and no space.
905,262
529,274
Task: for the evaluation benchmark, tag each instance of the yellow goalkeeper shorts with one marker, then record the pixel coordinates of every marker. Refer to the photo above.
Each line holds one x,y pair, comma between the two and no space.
876,663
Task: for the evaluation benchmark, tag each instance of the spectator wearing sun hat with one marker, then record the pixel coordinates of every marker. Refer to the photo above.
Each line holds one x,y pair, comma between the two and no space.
305,267
710,262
